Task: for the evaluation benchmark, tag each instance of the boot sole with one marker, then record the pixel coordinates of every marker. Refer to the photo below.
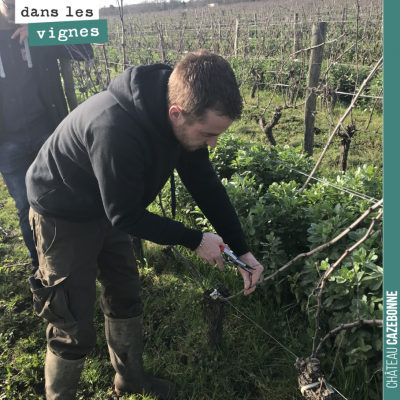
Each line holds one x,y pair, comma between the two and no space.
120,393
123,392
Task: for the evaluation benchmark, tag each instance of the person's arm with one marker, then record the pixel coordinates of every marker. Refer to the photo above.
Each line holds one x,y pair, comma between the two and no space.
118,163
202,182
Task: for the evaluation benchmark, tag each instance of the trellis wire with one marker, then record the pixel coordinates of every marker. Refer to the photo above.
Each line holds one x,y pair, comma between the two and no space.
253,82
338,392
210,286
343,189
182,52
251,320
305,88
229,26
258,326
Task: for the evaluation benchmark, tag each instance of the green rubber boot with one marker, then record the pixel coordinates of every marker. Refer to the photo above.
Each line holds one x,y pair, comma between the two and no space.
125,344
61,376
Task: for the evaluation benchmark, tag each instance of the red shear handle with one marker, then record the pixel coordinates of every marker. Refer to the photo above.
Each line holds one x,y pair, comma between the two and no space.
222,248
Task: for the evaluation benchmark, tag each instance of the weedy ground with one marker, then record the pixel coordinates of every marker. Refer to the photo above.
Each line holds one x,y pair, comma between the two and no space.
249,365
365,148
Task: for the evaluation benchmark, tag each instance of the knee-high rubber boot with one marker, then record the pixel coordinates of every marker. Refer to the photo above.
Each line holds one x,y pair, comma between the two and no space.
61,376
125,343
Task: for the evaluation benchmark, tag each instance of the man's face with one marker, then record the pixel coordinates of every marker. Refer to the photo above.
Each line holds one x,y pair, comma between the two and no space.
200,134
8,13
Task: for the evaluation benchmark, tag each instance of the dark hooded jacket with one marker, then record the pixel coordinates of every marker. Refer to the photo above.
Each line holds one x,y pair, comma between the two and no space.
34,98
113,154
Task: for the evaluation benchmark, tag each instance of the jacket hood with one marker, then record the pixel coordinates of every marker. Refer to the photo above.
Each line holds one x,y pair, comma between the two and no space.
142,92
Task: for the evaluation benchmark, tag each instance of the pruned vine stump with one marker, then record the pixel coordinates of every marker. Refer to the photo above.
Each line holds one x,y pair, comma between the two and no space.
309,373
345,146
267,128
217,314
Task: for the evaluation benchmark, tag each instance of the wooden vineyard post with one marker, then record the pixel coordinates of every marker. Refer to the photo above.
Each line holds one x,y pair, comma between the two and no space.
106,62
314,71
344,16
87,66
246,41
255,26
162,47
69,85
297,33
123,44
236,38
215,43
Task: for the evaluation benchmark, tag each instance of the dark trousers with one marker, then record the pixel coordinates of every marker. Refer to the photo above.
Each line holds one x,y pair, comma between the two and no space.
71,256
15,160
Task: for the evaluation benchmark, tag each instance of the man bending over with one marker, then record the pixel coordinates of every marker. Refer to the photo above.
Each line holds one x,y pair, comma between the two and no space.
89,189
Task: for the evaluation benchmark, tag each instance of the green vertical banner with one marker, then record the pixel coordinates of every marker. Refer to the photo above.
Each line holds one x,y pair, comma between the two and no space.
68,32
391,285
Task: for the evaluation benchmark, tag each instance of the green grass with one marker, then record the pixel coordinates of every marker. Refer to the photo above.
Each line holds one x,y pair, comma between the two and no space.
249,365
366,147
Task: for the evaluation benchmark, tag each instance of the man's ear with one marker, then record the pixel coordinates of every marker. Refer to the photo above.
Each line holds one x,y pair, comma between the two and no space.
175,114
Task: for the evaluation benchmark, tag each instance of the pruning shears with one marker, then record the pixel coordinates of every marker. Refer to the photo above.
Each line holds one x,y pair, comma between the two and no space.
235,260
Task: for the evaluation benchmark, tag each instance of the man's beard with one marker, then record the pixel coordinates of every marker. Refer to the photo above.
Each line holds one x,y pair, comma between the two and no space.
183,138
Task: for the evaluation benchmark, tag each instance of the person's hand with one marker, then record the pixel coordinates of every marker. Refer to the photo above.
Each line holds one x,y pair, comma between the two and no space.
22,32
249,279
210,250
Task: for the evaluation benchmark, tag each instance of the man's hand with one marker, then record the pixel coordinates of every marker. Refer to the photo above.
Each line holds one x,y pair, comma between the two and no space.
210,250
22,32
249,279
211,253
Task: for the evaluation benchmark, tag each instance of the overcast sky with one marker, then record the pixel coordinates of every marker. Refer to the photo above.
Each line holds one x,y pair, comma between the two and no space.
106,3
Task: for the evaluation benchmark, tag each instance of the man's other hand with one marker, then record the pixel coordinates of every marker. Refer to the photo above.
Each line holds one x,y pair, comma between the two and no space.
22,32
210,250
249,279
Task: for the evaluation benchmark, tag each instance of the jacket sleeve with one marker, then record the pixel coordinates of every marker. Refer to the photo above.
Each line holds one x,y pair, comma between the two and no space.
118,162
202,182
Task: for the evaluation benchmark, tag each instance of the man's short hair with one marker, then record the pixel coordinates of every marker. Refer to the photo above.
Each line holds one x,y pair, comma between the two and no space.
204,81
